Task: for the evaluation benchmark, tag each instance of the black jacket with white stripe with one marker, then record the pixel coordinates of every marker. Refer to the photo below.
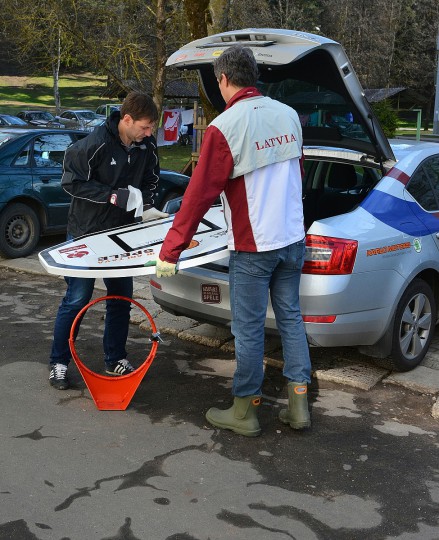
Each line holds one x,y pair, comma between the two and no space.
98,165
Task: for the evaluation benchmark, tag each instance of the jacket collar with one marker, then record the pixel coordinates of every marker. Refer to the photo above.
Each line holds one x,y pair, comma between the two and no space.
112,124
244,93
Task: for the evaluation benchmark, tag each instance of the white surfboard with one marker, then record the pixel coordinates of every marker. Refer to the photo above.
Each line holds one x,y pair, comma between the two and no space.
124,251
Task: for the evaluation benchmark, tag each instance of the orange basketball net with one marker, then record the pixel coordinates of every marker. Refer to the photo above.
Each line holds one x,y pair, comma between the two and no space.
112,393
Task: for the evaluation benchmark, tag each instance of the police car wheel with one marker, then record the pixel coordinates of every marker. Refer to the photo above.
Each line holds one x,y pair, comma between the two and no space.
413,329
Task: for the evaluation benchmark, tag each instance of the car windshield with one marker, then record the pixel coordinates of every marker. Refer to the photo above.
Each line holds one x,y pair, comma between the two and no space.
87,115
316,106
42,116
96,121
13,120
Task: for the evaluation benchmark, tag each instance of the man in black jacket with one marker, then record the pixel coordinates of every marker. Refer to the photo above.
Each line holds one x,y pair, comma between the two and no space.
104,173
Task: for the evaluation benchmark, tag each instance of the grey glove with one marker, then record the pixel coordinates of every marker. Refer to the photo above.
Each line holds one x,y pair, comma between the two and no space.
120,198
152,213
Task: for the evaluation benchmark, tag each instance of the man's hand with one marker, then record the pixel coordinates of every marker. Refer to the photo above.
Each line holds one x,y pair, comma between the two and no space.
120,198
152,213
163,268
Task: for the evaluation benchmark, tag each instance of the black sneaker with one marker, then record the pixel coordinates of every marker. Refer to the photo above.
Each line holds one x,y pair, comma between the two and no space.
122,367
58,376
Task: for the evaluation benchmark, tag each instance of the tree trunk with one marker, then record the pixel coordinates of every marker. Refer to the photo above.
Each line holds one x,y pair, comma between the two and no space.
158,88
198,16
55,70
220,11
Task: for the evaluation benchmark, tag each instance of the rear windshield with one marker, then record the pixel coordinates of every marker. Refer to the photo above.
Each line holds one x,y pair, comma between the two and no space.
317,106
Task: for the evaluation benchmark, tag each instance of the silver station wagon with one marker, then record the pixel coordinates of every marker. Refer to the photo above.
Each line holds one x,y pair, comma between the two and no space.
371,206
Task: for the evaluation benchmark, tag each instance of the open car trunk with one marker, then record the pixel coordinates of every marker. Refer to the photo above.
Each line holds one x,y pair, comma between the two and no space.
331,188
346,152
310,73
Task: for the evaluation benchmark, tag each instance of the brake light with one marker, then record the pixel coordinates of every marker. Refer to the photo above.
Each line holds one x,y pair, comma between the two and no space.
330,256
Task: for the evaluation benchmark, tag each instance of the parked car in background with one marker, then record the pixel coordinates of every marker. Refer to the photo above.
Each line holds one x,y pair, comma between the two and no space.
10,120
39,118
371,208
80,119
108,108
32,202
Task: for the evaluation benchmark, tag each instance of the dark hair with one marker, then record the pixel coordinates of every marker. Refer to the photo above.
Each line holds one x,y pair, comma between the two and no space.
139,105
239,66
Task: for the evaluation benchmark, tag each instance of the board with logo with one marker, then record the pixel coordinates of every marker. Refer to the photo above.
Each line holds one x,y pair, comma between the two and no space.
124,251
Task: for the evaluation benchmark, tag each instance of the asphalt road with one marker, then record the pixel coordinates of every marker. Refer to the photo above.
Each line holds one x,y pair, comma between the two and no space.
367,469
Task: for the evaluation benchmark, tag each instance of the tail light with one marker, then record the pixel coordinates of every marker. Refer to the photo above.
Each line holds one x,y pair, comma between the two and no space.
155,284
329,256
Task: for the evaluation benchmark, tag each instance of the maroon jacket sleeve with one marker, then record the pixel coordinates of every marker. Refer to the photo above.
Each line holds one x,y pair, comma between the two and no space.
207,182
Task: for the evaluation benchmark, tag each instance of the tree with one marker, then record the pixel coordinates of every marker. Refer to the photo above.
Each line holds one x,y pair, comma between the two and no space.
116,39
130,40
387,117
296,14
198,17
206,17
250,14
164,14
41,40
415,61
367,31
127,40
389,42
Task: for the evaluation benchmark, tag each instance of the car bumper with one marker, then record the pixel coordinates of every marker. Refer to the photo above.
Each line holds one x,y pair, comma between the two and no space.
320,296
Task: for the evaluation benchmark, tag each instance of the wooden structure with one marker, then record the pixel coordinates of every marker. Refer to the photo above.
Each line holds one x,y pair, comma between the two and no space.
200,126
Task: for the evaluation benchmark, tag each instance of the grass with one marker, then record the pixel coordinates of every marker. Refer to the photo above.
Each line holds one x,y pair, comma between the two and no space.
174,157
76,91
79,91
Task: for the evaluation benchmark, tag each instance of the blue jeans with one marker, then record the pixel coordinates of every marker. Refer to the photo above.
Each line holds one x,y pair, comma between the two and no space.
117,319
252,277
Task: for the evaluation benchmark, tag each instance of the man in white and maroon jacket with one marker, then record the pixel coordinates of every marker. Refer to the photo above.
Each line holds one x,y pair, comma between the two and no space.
251,155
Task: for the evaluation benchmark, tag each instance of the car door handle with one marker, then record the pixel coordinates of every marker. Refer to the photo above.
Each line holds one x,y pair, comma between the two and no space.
45,179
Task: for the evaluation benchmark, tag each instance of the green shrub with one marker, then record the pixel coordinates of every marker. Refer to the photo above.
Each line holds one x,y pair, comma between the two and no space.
387,117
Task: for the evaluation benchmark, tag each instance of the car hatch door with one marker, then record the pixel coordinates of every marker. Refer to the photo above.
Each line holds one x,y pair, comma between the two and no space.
310,73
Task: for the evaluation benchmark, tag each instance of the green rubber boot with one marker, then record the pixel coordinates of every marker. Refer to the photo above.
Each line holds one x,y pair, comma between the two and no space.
241,417
297,414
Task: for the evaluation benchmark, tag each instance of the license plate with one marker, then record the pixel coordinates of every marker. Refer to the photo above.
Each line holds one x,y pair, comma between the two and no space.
210,293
